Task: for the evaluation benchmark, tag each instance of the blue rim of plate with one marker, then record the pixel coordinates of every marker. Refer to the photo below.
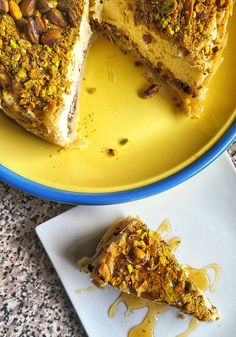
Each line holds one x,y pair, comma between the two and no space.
58,195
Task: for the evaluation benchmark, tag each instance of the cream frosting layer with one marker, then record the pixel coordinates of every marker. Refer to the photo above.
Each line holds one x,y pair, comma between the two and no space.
120,13
74,74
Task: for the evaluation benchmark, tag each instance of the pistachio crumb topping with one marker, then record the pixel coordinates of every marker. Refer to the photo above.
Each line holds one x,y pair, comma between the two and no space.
35,51
137,260
124,141
190,22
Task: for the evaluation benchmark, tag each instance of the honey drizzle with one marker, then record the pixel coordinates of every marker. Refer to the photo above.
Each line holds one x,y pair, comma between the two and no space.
192,326
80,290
164,227
199,276
174,243
145,328
217,271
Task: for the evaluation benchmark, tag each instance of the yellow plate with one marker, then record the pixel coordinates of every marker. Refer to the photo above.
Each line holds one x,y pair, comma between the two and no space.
162,142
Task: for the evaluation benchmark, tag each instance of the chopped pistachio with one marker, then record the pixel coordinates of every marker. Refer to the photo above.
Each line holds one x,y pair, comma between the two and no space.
124,141
13,44
22,74
91,90
52,89
164,23
130,268
112,152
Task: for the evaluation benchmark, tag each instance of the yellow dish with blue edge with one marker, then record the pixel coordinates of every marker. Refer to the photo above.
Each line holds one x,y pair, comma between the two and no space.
164,147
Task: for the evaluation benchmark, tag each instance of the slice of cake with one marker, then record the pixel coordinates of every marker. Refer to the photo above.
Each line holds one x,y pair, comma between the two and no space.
135,260
42,50
182,41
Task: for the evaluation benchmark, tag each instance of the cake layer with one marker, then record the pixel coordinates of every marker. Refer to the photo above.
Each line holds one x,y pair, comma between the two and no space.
185,59
68,122
197,26
156,50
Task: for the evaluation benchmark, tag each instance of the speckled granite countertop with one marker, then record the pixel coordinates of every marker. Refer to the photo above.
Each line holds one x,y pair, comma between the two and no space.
33,302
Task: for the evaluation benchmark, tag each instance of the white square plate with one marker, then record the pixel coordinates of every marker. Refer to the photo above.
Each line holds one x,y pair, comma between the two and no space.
202,212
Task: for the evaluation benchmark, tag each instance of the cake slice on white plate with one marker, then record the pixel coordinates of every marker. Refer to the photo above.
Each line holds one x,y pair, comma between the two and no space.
136,260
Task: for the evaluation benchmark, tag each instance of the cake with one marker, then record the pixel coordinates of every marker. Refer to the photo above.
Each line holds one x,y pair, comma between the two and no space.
135,260
43,44
180,41
42,50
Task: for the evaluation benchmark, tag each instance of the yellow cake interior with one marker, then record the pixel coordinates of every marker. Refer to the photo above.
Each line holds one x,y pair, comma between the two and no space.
187,69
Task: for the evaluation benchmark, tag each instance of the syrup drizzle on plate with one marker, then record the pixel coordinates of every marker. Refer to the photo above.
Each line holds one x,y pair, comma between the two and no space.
201,278
81,290
146,327
192,326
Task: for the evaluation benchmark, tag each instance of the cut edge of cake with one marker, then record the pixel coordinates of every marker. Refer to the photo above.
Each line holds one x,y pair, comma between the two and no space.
68,121
169,55
123,260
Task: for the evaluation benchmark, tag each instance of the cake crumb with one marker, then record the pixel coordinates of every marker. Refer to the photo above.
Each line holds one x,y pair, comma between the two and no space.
112,152
147,38
138,63
181,315
149,76
178,105
151,91
61,150
91,90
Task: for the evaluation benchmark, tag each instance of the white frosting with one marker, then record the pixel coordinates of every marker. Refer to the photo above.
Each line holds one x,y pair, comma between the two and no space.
74,74
120,13
96,9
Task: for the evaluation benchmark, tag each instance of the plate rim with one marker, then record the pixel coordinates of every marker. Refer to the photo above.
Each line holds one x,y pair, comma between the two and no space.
83,198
